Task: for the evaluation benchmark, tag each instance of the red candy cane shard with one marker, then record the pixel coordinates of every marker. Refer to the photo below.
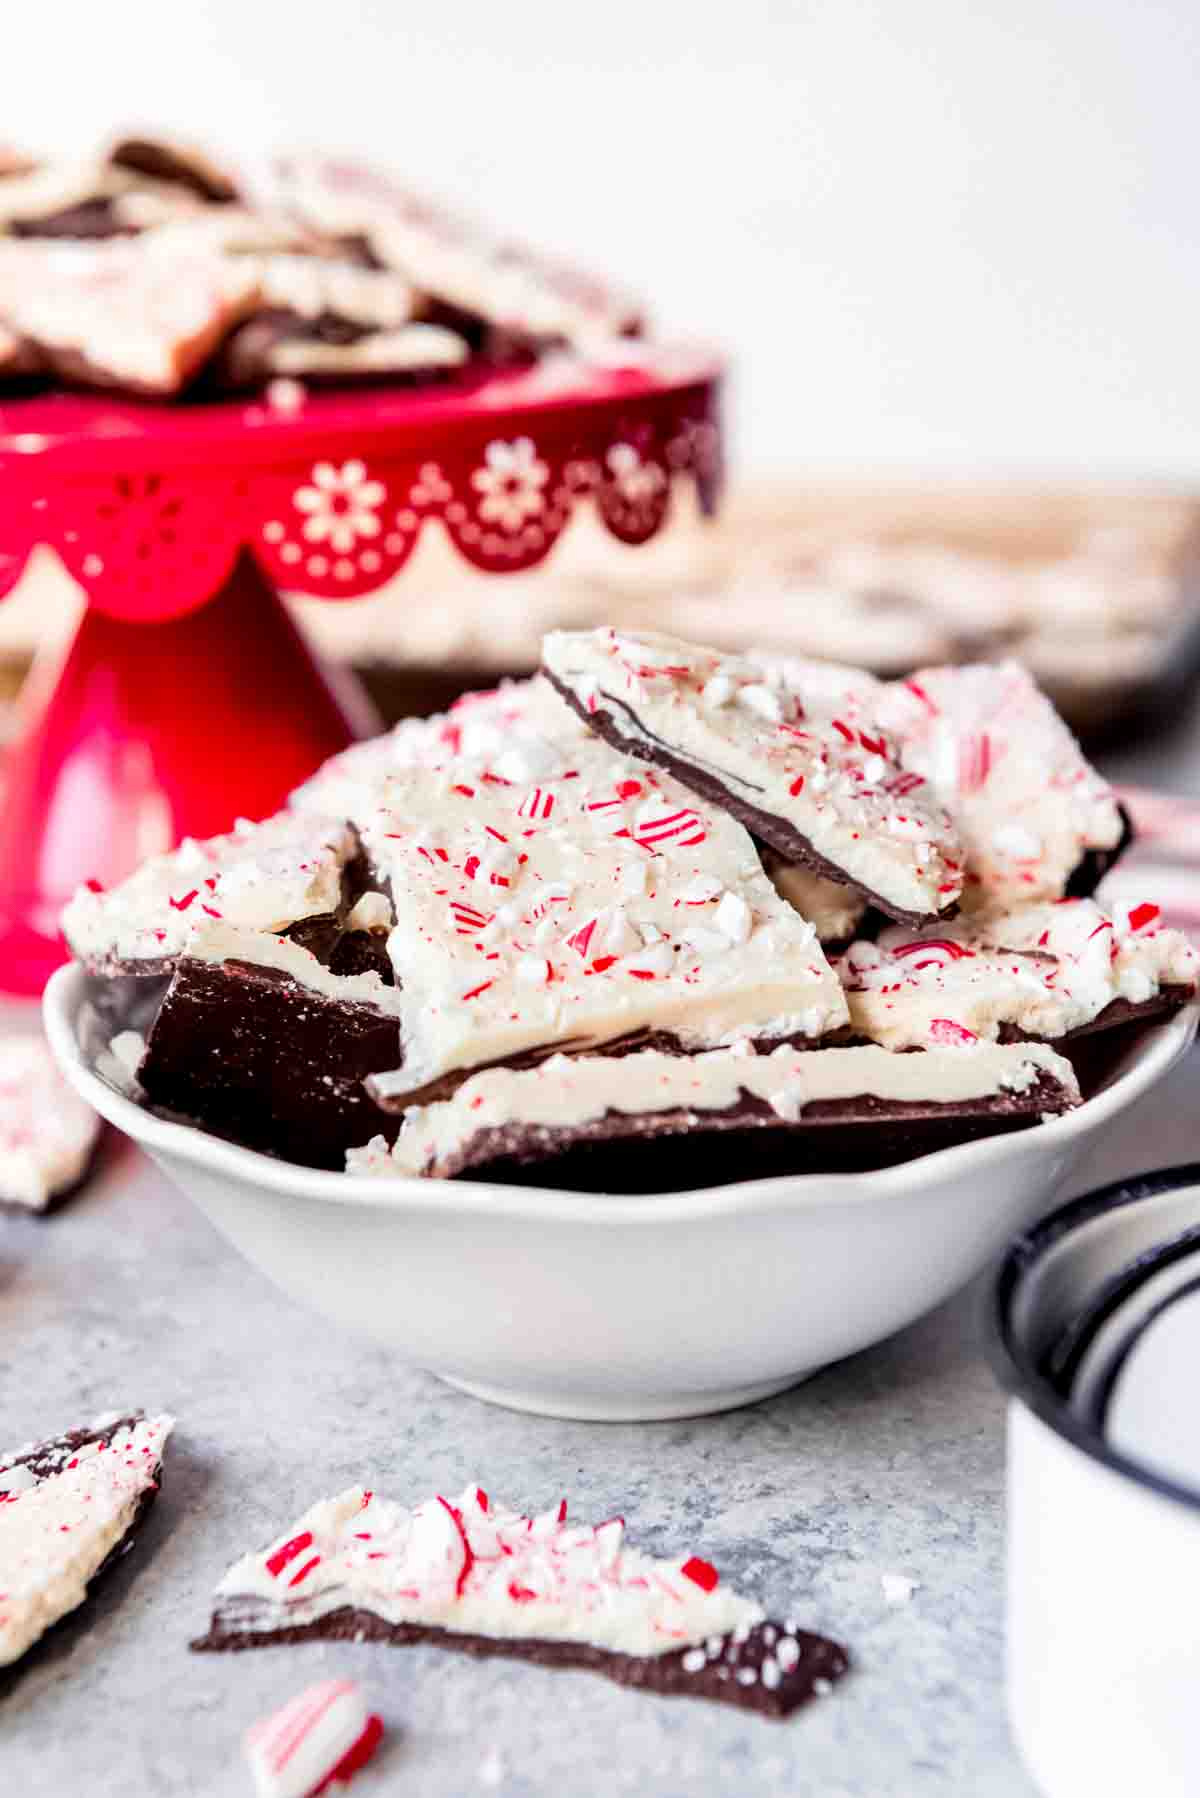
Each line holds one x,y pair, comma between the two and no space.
288,1552
686,826
467,919
356,1757
322,1738
954,951
949,1034
701,1573
537,803
974,762
582,937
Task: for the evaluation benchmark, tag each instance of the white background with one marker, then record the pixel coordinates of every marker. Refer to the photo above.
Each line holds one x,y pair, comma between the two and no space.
939,235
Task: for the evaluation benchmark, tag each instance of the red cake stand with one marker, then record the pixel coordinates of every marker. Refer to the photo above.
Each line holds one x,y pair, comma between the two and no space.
188,696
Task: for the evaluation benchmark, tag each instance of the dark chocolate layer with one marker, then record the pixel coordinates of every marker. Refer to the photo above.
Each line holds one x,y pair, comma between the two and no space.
819,1661
677,1150
782,836
251,1054
1096,863
164,162
92,219
1116,1013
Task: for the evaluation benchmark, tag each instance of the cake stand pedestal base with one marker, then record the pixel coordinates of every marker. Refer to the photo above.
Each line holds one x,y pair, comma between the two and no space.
143,733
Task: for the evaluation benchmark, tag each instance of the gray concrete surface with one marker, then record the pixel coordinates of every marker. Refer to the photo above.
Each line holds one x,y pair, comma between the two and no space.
890,1462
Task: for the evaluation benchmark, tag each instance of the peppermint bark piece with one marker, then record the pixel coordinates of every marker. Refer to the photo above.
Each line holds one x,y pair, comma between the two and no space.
594,905
1045,972
476,1575
818,1106
47,1134
259,877
76,198
69,1508
1037,820
515,731
116,315
281,996
824,791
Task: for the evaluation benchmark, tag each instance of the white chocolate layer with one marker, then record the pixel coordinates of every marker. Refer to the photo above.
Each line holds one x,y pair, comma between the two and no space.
312,285
514,729
476,1567
56,1532
834,911
261,877
408,348
573,1090
597,900
1043,969
835,780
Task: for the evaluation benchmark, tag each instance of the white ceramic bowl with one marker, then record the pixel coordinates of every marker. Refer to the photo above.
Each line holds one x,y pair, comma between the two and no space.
619,1307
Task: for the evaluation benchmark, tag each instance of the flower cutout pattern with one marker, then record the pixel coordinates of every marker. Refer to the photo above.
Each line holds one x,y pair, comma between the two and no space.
512,483
342,505
637,481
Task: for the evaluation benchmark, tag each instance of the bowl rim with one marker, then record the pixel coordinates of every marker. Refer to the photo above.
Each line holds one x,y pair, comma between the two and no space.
1015,1366
1161,1045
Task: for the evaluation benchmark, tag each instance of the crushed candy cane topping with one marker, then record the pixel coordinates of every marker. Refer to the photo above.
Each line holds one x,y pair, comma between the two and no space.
260,877
472,1564
623,906
811,766
1043,969
1026,802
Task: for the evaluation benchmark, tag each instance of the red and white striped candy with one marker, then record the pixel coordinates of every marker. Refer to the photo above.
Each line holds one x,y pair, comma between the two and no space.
974,761
325,1734
467,919
537,804
684,827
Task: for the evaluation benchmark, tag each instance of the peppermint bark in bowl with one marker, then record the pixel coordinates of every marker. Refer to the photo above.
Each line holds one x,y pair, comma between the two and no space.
534,939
